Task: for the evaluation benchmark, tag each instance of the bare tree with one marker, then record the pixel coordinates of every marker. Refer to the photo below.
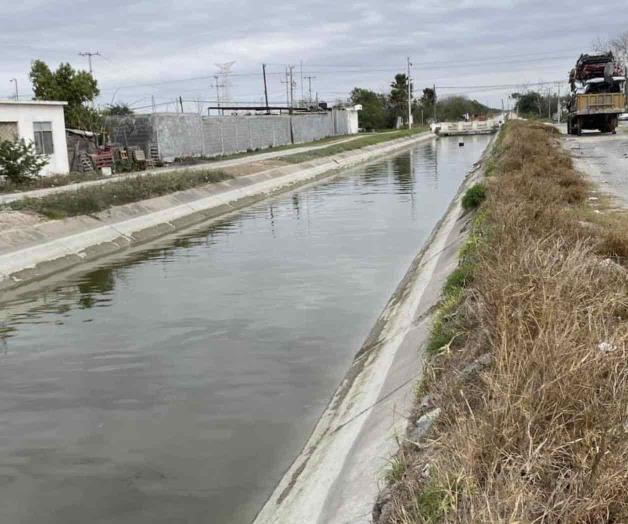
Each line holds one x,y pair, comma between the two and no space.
619,46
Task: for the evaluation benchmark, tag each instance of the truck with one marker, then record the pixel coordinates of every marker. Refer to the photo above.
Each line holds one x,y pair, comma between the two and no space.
597,94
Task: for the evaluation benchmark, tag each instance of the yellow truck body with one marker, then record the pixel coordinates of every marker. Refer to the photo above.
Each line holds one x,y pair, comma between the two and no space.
600,103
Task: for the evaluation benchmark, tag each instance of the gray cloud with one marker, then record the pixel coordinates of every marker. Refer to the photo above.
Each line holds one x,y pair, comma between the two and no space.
147,45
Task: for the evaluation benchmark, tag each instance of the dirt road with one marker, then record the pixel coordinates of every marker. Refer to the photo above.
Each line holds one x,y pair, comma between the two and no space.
604,158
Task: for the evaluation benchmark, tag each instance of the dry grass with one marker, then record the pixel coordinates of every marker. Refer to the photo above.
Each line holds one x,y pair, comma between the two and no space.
541,435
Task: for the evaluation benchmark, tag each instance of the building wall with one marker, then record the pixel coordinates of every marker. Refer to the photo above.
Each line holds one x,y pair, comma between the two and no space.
133,130
307,128
179,135
345,121
27,113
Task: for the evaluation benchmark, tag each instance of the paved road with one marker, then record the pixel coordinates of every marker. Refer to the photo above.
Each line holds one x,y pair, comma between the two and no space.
213,165
604,158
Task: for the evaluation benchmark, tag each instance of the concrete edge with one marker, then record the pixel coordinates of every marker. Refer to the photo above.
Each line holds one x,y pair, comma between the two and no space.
215,165
302,492
88,239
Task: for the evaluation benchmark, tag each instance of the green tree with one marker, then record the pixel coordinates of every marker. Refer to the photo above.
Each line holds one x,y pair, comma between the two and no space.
530,103
373,114
77,88
118,110
399,97
427,102
19,162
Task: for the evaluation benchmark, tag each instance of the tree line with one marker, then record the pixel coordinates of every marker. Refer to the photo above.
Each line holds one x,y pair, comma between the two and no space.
383,110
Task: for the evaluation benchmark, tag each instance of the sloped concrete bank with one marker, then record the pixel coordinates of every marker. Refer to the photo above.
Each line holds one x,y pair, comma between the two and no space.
6,198
38,251
337,476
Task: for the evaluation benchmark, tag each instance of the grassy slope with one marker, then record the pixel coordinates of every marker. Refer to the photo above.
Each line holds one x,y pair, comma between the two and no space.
92,199
539,435
89,200
366,140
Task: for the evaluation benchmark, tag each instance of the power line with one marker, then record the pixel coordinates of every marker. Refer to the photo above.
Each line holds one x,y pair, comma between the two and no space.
89,55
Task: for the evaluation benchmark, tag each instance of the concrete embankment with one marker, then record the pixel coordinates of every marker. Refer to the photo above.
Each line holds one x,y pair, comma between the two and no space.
40,250
336,477
202,166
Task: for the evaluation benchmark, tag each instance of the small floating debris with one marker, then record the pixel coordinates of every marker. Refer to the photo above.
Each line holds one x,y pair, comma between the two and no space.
460,143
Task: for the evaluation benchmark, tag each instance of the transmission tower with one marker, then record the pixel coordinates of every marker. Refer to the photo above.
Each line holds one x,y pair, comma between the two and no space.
224,70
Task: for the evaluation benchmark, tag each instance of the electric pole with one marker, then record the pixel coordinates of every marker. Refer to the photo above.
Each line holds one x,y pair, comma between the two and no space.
434,88
558,103
218,85
301,67
409,96
17,95
89,55
309,82
265,88
287,82
291,89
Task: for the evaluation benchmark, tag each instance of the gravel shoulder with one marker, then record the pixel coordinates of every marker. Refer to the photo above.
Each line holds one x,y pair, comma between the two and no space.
604,159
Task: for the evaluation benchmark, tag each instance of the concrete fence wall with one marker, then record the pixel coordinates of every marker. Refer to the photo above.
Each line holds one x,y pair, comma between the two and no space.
180,135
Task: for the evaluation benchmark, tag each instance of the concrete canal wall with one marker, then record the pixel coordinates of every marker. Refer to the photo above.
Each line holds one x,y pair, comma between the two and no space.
58,245
335,479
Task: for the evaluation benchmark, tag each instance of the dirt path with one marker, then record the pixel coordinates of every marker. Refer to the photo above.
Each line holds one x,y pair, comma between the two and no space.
234,165
604,159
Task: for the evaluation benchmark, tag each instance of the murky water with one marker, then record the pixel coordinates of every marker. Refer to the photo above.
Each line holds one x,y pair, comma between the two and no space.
177,385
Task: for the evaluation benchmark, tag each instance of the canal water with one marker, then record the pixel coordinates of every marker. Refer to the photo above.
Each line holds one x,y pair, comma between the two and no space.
177,385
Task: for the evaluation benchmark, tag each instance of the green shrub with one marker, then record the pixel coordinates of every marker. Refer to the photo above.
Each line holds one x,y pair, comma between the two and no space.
474,196
19,162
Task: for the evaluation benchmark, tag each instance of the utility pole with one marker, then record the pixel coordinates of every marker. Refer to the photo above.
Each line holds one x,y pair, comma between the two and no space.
287,82
291,89
152,100
265,88
17,95
218,85
434,88
409,96
301,67
558,103
89,55
181,103
309,79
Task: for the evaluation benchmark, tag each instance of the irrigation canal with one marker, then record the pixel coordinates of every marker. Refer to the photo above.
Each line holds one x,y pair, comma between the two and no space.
177,384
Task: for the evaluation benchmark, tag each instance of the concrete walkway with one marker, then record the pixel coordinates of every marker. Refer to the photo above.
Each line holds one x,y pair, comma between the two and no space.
214,165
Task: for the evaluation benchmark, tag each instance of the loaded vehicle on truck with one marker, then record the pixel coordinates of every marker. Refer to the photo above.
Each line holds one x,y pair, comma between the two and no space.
597,94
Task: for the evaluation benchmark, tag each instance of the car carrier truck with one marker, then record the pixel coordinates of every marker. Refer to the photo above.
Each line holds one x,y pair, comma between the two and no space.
597,94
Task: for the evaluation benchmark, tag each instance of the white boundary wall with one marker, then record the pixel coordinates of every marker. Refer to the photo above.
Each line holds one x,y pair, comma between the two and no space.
192,135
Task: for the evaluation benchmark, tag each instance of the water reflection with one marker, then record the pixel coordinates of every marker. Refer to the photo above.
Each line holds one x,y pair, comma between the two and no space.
179,382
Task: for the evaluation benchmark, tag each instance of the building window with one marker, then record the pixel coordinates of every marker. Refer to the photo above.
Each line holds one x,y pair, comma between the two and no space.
43,138
8,131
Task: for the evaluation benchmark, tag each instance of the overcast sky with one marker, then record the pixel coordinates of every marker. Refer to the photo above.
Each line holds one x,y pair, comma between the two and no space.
165,48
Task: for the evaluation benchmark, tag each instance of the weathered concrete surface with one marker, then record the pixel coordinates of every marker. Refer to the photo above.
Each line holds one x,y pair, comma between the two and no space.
336,477
603,158
35,252
216,165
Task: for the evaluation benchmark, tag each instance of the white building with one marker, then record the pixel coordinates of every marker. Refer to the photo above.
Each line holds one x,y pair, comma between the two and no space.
40,122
